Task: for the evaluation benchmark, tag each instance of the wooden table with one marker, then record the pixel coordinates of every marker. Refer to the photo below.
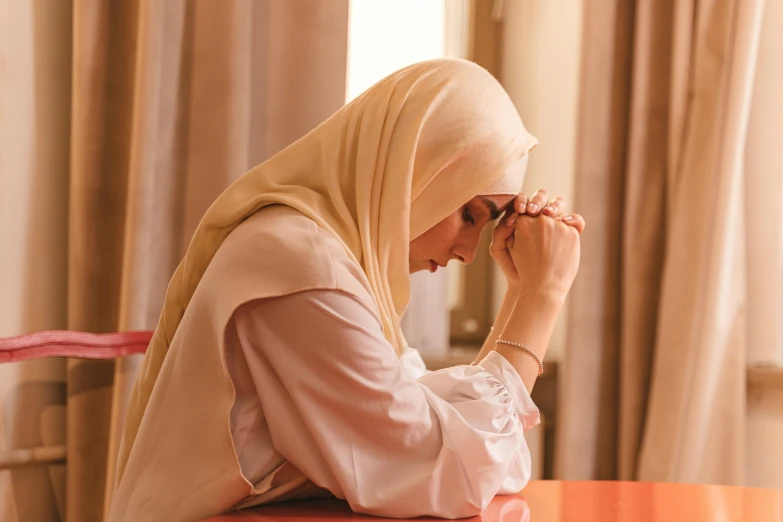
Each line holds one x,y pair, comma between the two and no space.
553,501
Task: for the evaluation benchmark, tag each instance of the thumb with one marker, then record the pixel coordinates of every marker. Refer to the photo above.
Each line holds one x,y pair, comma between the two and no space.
507,225
502,232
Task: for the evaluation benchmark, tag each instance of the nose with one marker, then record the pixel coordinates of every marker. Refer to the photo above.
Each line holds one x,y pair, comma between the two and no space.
464,249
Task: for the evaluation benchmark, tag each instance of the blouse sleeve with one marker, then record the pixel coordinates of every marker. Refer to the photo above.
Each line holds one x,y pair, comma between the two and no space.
343,409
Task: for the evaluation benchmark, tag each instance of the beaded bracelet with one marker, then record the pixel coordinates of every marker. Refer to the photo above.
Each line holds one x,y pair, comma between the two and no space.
527,350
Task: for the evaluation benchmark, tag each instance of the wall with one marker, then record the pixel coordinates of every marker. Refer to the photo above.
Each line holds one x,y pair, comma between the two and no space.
764,428
764,214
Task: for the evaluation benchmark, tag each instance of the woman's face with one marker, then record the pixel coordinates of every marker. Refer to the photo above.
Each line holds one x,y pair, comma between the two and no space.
457,236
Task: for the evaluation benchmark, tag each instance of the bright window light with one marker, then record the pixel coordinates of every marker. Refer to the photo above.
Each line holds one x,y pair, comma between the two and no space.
387,35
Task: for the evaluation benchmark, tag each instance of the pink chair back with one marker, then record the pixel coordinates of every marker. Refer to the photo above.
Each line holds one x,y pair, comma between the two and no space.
58,343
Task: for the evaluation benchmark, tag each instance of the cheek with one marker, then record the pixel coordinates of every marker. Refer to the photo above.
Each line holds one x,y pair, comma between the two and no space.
441,236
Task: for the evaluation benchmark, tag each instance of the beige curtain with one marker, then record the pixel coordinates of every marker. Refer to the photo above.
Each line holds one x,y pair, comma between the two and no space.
654,380
121,121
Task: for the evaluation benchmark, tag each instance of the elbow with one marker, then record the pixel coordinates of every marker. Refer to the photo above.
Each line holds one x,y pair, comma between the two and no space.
403,509
442,499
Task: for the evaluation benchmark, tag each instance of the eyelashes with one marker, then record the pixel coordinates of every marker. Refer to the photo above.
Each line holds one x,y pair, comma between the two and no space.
467,217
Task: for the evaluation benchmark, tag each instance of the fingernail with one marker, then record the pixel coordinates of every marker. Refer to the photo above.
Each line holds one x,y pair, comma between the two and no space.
510,221
550,208
568,218
532,208
521,208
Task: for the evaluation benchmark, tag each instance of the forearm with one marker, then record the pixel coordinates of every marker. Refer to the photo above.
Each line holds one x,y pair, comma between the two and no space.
531,324
506,308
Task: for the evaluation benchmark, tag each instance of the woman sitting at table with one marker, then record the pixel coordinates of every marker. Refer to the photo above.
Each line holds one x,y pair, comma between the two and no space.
278,370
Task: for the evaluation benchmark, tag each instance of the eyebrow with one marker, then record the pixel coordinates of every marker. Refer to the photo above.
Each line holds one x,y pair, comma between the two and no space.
494,211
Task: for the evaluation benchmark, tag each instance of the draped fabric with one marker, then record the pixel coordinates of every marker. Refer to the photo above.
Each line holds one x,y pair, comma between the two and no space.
669,143
120,123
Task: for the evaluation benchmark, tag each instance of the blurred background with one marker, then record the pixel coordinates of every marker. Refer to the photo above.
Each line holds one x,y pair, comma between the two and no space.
661,122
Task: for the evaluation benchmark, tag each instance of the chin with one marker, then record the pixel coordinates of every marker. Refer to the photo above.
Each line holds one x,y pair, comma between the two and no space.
412,268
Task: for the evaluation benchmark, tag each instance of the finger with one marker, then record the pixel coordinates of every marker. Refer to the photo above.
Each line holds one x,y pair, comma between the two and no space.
555,208
537,202
520,203
506,226
504,229
576,221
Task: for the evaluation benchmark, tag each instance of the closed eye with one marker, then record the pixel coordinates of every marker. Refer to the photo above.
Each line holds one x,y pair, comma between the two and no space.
467,217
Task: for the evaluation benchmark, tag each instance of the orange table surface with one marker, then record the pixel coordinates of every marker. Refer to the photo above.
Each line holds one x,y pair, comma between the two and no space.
554,501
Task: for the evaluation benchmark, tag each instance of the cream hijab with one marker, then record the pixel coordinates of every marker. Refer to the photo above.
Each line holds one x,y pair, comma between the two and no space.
382,170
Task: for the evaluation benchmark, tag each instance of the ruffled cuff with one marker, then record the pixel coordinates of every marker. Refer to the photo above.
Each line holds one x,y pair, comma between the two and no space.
501,369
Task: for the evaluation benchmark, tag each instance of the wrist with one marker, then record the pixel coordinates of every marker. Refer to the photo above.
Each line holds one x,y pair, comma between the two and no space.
542,294
512,293
506,309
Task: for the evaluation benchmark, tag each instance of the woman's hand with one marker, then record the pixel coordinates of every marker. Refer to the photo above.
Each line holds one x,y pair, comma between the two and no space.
546,252
504,237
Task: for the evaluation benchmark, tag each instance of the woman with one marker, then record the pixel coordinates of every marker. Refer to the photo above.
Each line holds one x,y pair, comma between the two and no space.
278,369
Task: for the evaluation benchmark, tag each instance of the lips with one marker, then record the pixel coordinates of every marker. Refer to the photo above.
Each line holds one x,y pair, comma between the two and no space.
434,265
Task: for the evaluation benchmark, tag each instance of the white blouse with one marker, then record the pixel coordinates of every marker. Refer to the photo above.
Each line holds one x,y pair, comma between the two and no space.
317,384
